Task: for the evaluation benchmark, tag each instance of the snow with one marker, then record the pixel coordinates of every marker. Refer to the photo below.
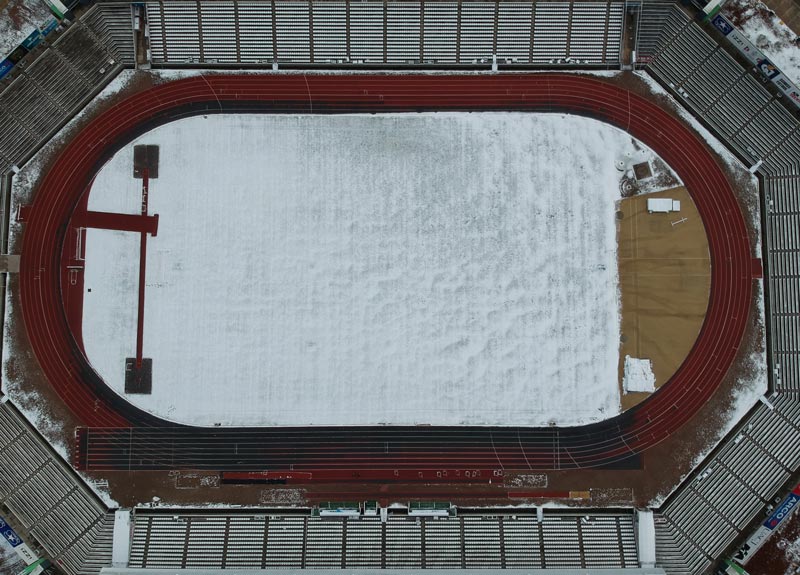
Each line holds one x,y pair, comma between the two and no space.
768,32
646,537
17,20
121,540
791,553
638,375
367,269
9,560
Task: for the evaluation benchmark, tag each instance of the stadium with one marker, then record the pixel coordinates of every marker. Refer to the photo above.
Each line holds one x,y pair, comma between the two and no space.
394,285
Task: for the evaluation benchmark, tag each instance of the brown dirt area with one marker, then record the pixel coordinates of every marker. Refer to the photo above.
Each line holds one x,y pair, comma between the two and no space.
664,279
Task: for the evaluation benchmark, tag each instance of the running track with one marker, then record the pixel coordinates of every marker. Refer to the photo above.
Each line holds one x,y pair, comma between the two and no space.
119,436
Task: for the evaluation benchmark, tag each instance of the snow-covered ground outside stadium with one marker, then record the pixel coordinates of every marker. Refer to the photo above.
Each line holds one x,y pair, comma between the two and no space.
18,18
768,32
367,269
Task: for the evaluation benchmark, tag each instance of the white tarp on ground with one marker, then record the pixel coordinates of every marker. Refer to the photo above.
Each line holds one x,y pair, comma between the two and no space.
638,375
367,269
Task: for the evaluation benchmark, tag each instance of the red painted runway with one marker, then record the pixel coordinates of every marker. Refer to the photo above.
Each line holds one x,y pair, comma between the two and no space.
120,436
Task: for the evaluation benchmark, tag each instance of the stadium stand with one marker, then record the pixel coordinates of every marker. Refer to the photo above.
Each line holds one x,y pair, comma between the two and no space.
711,510
708,513
747,117
589,540
49,500
657,23
111,26
377,32
43,96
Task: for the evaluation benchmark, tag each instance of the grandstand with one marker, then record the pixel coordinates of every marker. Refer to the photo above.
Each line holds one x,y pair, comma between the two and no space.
384,33
700,522
605,540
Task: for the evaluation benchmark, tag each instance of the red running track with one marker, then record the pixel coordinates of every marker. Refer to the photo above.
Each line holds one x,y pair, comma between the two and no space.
638,429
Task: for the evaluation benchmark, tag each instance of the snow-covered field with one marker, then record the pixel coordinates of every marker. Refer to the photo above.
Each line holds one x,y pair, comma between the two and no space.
768,32
367,269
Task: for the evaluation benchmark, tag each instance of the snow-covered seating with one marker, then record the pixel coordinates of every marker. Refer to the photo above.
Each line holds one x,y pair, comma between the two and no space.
560,539
514,31
482,542
292,32
601,545
112,25
259,540
255,39
371,31
51,502
44,95
61,83
403,28
715,507
523,547
588,31
658,24
363,549
403,544
219,28
175,31
330,31
550,38
477,31
443,548
366,32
